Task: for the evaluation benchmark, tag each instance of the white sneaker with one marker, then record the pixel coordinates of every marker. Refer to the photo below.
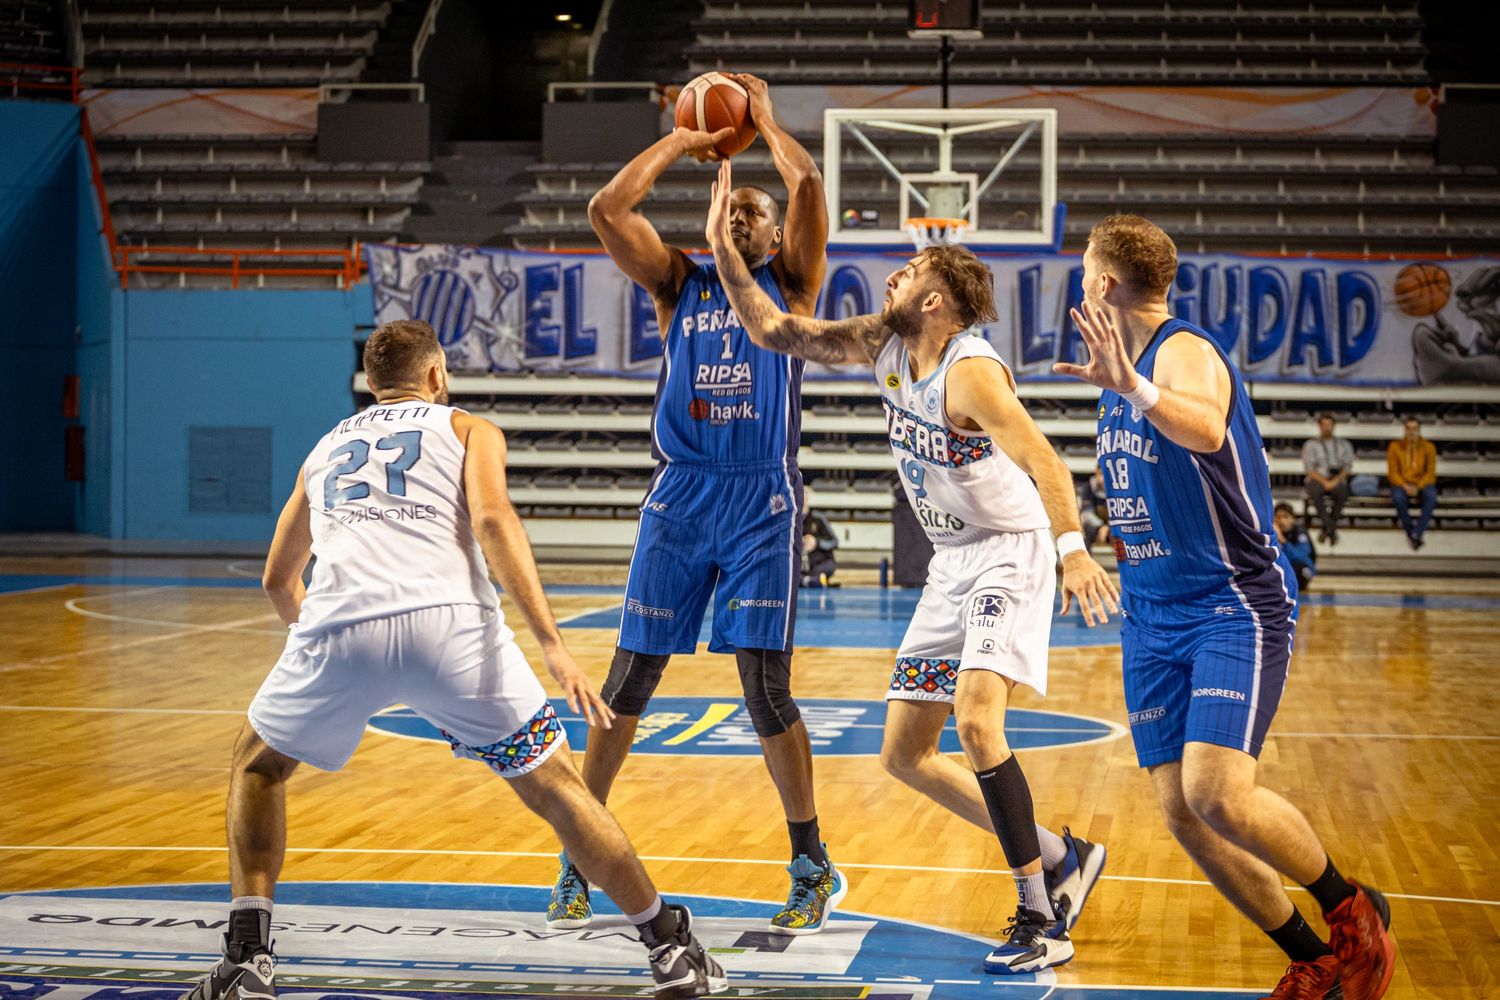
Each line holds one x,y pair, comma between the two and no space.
1069,885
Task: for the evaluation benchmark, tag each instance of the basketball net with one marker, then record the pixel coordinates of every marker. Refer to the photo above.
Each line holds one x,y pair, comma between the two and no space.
927,232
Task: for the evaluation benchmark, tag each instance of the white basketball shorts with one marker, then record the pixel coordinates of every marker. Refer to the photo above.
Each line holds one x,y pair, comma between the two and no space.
987,605
456,665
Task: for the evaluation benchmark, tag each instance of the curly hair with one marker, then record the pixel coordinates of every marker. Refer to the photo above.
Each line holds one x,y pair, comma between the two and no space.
1138,251
969,282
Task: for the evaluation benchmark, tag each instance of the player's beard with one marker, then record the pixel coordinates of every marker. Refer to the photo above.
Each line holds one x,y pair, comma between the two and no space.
906,321
441,396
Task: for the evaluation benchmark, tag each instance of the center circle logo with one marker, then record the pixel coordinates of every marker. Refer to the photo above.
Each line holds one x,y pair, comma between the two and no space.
721,727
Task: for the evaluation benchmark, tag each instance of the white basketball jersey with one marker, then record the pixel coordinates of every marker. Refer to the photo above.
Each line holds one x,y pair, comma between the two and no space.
960,485
390,521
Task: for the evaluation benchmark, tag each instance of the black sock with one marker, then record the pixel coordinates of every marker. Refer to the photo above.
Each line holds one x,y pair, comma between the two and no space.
1009,800
806,840
1331,888
249,932
1300,942
659,928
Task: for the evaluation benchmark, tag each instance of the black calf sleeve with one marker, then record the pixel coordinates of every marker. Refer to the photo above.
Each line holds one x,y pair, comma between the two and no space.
632,680
766,676
1008,797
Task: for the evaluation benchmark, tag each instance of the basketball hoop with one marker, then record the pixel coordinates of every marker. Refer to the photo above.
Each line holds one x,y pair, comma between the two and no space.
936,231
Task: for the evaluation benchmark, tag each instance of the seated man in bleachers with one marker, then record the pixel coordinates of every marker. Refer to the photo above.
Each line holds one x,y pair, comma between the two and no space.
1411,466
1092,509
818,544
1297,545
1328,462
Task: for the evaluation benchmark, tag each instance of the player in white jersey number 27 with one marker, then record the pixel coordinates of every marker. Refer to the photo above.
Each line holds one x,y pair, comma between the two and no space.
965,447
404,504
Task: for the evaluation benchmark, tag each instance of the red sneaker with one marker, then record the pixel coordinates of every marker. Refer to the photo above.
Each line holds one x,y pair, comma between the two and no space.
1358,937
1309,981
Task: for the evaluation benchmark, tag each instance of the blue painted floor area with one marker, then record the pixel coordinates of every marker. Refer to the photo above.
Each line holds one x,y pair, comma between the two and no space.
457,941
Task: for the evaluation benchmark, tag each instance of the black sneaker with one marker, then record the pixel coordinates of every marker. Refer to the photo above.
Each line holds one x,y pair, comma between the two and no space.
679,965
1032,943
242,974
1070,884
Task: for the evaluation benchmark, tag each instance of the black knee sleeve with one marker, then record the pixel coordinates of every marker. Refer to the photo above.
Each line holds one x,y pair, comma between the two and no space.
766,676
632,680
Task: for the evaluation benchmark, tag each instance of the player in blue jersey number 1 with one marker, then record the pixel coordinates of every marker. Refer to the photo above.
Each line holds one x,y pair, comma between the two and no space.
1210,610
968,453
723,515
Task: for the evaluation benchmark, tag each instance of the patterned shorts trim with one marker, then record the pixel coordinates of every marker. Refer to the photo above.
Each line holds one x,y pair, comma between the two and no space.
924,677
522,751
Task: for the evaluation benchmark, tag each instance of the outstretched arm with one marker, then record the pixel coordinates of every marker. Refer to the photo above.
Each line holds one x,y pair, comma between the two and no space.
1192,405
981,391
628,236
291,548
857,339
803,258
507,550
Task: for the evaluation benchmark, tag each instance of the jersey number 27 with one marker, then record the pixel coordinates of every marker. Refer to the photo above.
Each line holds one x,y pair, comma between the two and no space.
356,453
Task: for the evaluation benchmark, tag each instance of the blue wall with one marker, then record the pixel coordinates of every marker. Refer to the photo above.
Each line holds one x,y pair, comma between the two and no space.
38,222
151,363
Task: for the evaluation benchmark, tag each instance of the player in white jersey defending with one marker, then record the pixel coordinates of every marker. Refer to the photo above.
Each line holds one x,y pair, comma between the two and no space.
404,504
965,446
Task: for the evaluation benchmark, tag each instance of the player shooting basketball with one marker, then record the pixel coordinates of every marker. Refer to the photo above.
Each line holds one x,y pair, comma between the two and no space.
724,512
965,447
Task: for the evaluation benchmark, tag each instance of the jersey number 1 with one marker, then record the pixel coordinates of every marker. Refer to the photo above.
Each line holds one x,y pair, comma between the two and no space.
356,453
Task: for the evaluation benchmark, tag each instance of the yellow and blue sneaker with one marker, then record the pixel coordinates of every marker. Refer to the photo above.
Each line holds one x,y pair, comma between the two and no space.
816,891
569,906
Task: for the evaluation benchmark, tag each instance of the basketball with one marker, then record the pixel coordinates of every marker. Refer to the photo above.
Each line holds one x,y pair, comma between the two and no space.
1422,289
712,101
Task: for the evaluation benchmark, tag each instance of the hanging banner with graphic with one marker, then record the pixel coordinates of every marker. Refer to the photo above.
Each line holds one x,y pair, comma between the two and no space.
1382,323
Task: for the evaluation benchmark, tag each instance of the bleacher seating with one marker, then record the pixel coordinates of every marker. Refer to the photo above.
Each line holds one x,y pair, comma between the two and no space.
228,43
1370,194
31,32
1128,42
579,450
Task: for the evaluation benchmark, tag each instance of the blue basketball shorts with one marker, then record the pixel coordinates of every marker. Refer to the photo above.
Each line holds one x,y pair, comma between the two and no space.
1210,672
734,534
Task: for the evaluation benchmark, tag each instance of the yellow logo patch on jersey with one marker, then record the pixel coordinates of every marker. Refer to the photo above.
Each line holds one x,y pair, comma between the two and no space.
893,381
1101,411
705,295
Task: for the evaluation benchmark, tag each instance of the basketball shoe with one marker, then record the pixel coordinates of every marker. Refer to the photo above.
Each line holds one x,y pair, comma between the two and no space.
569,906
1310,981
679,965
245,972
816,891
1358,936
1069,885
1032,943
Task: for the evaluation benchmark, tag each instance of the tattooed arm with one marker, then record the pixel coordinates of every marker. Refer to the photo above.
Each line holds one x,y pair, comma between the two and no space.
858,339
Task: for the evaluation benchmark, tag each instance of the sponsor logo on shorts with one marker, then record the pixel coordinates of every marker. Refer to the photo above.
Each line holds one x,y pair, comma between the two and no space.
778,504
635,607
988,611
987,646
738,603
1229,693
1226,609
1147,715
656,505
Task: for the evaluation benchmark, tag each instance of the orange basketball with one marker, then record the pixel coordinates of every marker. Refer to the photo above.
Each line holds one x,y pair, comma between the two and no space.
1422,289
711,102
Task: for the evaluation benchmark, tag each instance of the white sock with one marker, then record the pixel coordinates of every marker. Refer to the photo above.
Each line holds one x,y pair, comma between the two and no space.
1054,848
647,915
1032,891
250,903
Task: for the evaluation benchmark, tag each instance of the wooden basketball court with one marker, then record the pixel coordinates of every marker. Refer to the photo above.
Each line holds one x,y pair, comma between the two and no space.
124,682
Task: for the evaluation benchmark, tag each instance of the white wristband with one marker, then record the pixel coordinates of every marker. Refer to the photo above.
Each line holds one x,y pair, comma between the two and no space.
1069,542
1144,395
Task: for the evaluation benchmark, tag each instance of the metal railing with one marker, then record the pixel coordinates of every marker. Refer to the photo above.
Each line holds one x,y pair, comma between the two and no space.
327,90
424,35
18,77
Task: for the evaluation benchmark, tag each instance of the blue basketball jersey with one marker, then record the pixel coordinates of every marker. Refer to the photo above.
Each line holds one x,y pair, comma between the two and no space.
1190,526
721,400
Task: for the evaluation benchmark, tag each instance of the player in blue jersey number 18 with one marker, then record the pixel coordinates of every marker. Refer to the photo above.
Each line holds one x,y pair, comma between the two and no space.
1210,611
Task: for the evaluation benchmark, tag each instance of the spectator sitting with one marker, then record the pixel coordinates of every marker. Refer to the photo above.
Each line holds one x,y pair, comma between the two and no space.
1093,510
818,543
1297,545
1328,462
1411,465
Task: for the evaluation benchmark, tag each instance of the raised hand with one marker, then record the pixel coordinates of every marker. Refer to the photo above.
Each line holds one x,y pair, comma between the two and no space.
1109,364
700,145
759,93
717,229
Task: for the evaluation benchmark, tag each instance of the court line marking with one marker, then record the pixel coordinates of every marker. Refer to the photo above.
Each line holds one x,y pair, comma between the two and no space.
35,590
664,859
130,711
235,569
190,628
